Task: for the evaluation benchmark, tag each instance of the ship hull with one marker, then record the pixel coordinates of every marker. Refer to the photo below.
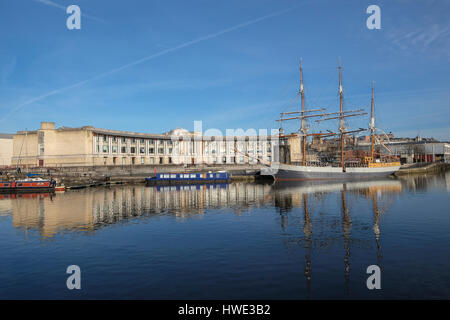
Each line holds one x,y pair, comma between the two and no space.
299,173
27,186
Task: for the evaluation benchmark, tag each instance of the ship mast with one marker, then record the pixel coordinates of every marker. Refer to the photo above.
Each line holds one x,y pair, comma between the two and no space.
303,128
303,115
341,119
372,127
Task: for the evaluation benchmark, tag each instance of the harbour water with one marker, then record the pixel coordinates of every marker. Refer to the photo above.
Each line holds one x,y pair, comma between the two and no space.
236,241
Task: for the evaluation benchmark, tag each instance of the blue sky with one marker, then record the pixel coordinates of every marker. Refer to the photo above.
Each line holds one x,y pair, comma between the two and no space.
151,66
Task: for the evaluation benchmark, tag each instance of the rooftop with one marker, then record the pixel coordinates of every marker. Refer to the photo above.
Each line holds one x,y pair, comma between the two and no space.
6,136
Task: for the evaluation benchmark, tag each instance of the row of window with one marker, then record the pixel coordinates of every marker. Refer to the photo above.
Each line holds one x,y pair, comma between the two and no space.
133,150
213,144
105,138
160,160
161,150
142,160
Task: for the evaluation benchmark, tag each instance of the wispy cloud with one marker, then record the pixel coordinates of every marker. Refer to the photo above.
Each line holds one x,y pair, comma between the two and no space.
435,37
145,59
7,70
57,5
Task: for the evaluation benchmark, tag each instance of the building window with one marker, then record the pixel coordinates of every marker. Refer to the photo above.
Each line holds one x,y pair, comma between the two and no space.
124,149
124,140
105,149
133,140
161,160
161,150
170,159
142,150
169,150
169,142
124,160
151,150
160,142
104,160
224,159
232,160
151,141
133,149
114,149
142,141
105,138
114,139
152,160
142,160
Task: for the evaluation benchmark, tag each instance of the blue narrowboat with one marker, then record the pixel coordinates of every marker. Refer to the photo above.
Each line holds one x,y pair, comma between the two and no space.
188,178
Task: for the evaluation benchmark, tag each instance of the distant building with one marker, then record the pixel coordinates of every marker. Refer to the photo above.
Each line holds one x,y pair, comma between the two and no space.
6,149
421,151
89,146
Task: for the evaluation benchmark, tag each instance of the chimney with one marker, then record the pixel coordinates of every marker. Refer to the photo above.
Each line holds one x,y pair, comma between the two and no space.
47,126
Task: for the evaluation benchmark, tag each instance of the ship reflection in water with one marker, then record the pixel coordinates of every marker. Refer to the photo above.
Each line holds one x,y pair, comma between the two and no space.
292,240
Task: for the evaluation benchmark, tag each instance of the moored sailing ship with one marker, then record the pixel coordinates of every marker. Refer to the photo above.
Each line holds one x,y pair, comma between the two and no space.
370,166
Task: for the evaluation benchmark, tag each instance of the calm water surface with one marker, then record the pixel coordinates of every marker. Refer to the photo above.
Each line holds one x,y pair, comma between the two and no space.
234,241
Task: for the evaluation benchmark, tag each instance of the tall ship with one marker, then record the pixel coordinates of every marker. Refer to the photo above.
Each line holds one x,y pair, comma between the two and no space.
370,164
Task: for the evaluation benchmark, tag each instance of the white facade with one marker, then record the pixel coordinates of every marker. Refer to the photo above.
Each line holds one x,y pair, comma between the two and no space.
181,147
6,149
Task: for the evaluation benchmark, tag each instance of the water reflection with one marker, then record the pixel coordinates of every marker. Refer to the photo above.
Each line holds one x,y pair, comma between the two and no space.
307,230
289,196
310,239
426,182
447,180
89,209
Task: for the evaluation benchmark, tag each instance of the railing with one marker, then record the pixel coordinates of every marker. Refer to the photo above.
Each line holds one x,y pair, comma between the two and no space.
347,164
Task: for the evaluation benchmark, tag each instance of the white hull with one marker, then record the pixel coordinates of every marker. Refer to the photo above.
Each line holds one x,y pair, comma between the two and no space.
286,172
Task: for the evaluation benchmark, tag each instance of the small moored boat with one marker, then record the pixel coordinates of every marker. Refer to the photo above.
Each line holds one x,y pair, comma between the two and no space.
27,185
189,178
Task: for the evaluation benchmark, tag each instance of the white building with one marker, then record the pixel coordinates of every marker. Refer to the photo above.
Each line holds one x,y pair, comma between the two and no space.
6,149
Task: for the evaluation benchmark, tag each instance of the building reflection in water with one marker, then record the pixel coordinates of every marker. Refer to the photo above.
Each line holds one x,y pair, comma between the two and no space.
89,209
447,180
425,182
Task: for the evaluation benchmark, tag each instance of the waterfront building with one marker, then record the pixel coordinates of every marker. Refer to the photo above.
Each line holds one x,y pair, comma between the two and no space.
89,146
421,151
6,149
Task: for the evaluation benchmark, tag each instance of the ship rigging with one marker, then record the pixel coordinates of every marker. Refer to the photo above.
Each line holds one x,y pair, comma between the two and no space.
367,168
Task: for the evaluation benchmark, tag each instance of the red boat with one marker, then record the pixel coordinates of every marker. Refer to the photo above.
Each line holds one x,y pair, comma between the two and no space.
29,185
